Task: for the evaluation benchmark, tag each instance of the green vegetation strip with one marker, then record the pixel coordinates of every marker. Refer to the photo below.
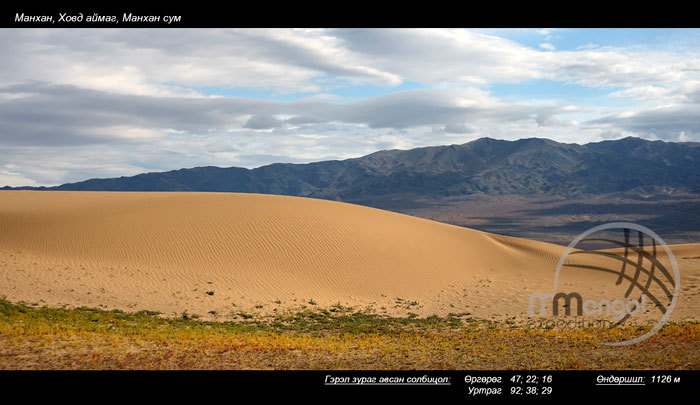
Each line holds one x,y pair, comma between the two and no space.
333,338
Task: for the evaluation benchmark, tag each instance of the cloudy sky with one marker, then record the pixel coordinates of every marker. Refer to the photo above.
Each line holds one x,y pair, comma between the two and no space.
84,103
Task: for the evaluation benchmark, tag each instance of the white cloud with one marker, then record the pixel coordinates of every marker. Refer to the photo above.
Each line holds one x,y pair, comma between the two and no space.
642,92
14,179
171,62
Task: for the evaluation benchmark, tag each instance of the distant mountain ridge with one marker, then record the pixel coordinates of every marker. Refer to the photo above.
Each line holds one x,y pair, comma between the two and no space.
497,167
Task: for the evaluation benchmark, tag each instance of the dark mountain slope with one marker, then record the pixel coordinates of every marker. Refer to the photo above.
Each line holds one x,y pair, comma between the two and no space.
524,167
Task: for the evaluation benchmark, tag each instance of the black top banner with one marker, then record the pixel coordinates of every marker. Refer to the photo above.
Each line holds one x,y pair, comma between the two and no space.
341,15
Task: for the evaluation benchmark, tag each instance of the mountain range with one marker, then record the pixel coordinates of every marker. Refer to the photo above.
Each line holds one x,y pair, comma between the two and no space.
524,167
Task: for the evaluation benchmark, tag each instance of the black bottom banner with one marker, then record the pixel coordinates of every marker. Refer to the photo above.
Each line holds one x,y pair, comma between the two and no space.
453,386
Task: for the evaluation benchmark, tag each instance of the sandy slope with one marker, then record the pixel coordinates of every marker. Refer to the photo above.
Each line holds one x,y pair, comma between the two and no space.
168,252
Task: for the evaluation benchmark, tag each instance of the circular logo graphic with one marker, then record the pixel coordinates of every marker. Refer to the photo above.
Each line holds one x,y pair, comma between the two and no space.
627,267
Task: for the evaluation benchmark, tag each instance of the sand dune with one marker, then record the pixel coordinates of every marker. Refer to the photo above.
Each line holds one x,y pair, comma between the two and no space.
220,254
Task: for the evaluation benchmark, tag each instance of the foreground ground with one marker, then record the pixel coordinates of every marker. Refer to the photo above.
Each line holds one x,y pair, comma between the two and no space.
336,338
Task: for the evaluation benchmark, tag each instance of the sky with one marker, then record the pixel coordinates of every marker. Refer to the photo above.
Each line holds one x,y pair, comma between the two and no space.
93,103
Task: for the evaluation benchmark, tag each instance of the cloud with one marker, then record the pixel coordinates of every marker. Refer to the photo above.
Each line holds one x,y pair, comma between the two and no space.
670,122
458,129
59,133
263,122
545,120
462,56
64,114
304,119
180,62
643,93
158,63
673,114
